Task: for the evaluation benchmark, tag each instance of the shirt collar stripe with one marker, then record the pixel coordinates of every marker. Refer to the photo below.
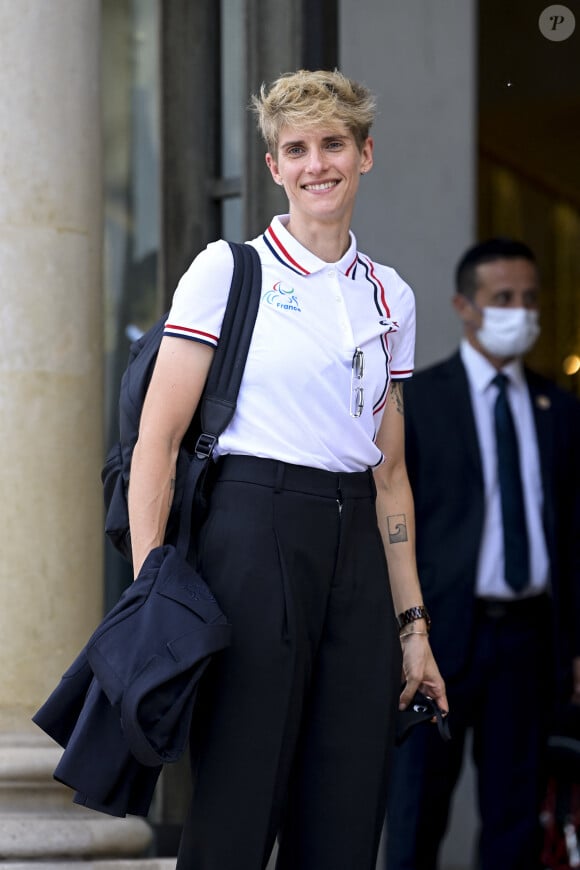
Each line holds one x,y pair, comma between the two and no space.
278,257
353,267
290,261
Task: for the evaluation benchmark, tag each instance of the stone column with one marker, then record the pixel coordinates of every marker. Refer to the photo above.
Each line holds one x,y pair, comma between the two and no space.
51,409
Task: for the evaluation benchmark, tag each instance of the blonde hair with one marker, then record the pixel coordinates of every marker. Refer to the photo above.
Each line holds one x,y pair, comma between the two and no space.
311,99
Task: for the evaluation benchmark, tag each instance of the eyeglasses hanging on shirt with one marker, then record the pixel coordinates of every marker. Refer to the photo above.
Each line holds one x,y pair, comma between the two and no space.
357,396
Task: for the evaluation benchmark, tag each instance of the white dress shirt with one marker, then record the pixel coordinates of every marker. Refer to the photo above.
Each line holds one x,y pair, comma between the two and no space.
490,573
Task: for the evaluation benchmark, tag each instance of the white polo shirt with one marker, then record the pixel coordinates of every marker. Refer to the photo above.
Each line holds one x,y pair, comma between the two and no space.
296,397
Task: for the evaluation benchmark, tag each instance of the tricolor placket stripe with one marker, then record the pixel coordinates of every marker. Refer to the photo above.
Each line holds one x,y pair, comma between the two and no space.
382,307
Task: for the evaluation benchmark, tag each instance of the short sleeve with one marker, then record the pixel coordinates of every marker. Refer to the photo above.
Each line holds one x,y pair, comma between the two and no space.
403,340
200,299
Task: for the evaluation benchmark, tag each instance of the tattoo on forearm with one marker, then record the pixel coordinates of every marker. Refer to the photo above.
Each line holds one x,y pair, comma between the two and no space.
396,396
397,528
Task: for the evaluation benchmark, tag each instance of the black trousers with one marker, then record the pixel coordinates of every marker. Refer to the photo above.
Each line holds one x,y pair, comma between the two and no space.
504,697
296,719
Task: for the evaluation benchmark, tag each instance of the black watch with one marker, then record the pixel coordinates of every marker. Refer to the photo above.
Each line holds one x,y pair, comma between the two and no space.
413,613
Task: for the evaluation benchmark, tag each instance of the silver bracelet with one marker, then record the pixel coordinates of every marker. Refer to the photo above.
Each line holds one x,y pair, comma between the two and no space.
409,633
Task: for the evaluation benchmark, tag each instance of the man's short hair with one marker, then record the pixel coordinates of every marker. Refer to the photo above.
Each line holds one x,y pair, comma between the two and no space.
313,99
498,248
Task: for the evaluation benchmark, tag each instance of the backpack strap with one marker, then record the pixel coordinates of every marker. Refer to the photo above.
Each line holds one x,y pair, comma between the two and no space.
225,375
221,390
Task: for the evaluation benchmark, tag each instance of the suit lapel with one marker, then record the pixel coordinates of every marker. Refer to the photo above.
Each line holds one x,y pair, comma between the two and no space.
544,420
462,408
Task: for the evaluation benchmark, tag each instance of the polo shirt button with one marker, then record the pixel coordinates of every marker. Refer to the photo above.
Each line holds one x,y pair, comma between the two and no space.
331,273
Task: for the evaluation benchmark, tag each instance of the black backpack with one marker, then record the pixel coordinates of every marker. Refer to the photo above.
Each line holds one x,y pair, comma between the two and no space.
215,409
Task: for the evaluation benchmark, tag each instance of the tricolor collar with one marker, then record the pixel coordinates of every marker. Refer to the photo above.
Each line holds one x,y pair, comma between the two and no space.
295,256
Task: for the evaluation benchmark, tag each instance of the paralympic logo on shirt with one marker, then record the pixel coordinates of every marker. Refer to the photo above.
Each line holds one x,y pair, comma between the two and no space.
282,297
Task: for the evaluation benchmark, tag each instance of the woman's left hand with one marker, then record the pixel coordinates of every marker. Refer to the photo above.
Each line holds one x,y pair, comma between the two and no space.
420,672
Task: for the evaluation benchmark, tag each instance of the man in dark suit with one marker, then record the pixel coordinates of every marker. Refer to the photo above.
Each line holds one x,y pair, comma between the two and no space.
498,558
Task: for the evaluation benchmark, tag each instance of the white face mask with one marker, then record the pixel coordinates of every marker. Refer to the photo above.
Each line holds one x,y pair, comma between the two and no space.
508,332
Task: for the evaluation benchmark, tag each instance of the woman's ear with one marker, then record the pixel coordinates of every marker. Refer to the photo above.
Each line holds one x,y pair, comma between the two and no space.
273,167
366,163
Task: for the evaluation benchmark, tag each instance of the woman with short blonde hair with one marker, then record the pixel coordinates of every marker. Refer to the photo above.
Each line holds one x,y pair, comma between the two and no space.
308,544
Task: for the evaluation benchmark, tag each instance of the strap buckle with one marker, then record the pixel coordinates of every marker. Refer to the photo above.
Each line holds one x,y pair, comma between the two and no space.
205,445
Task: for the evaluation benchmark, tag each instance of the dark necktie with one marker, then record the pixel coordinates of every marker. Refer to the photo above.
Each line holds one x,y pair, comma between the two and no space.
515,533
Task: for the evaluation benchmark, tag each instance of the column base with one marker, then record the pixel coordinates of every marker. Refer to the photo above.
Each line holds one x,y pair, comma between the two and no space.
38,820
113,864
